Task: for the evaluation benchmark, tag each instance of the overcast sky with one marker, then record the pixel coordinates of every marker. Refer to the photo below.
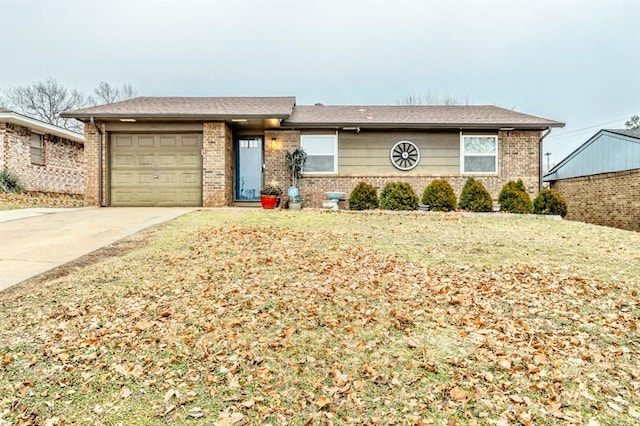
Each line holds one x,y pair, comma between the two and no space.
575,61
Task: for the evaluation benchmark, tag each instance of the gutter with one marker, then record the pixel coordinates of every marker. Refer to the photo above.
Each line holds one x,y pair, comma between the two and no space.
540,160
100,177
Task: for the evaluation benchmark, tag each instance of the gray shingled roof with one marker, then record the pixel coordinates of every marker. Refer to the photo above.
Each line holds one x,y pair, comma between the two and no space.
633,133
183,107
423,115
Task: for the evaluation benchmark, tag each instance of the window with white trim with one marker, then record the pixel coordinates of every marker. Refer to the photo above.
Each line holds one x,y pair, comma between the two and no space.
322,153
479,154
37,156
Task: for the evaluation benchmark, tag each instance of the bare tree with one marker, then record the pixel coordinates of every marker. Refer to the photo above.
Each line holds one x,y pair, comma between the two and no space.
45,100
106,93
428,98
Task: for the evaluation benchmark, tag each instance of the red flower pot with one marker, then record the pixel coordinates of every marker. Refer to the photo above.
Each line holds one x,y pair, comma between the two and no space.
268,201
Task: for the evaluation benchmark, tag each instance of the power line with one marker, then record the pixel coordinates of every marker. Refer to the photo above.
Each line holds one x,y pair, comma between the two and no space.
571,133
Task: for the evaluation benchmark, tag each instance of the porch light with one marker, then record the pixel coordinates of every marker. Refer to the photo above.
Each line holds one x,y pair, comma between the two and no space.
274,144
128,120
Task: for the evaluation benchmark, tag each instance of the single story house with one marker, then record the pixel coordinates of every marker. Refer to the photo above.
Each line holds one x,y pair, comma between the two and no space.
601,179
45,157
217,151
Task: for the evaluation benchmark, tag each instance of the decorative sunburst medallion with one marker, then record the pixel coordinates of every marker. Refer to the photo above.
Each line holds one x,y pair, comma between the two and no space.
405,155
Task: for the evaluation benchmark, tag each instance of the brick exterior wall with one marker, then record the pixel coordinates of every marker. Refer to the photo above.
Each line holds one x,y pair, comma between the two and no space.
91,175
276,143
518,158
63,168
608,199
217,165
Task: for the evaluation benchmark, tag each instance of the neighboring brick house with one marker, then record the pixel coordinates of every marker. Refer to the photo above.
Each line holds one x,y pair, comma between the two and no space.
45,157
601,180
220,151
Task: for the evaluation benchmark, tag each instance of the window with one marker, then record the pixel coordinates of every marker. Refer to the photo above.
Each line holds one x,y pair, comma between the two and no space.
36,149
322,153
479,154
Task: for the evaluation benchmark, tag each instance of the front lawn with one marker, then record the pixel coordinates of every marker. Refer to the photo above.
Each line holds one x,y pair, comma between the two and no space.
254,317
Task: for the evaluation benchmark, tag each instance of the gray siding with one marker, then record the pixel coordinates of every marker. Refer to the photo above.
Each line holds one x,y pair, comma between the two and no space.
604,153
367,153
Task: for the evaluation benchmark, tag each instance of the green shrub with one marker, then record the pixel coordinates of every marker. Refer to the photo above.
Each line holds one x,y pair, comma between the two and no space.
363,197
549,201
10,182
475,197
514,198
398,196
439,196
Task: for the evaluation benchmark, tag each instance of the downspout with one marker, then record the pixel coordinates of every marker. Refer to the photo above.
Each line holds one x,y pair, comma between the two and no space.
540,159
100,134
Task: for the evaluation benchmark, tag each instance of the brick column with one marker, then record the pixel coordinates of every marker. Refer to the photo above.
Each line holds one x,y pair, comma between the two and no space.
91,165
217,165
519,159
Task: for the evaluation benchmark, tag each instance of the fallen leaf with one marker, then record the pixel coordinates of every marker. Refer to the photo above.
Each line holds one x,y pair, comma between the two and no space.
125,392
196,412
323,401
458,394
615,407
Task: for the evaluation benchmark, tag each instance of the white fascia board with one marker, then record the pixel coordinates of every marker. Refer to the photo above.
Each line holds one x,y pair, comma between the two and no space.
40,126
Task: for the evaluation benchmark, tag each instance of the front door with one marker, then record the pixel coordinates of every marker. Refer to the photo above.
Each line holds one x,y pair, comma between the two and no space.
249,168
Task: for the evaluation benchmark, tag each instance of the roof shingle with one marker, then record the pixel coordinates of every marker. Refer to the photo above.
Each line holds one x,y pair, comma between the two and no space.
277,107
420,115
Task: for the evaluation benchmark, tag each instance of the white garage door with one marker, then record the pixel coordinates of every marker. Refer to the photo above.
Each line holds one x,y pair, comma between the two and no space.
156,170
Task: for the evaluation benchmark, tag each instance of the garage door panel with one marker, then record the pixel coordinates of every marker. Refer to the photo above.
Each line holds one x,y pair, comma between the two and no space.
168,141
190,159
154,170
145,160
124,142
144,178
145,141
123,160
168,160
122,178
192,141
190,178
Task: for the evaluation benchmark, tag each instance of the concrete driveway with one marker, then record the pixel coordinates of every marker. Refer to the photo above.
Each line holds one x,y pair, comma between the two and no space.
33,241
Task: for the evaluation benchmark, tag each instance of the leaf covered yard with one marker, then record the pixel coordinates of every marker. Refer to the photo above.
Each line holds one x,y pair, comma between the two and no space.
258,317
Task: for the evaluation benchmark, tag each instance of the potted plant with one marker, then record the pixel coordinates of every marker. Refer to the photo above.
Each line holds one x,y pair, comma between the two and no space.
269,195
295,164
295,202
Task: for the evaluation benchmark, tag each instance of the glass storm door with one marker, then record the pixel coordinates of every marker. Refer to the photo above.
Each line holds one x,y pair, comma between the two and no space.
249,169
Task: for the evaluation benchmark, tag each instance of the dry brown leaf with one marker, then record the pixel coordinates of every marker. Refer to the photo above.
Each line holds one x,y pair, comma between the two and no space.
323,401
458,394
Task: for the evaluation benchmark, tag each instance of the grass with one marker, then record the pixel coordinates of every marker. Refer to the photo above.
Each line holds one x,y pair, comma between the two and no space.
260,317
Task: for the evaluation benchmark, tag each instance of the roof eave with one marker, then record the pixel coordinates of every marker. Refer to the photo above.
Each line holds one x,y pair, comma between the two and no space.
40,126
84,117
522,126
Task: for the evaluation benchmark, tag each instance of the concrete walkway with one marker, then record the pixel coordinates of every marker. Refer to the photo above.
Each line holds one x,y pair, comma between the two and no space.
33,241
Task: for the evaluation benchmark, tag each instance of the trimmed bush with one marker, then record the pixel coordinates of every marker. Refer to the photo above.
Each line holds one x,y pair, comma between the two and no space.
439,196
398,196
475,197
514,198
549,201
10,182
363,197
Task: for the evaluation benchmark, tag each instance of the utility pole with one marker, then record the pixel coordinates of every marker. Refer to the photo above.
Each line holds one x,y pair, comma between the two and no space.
548,154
